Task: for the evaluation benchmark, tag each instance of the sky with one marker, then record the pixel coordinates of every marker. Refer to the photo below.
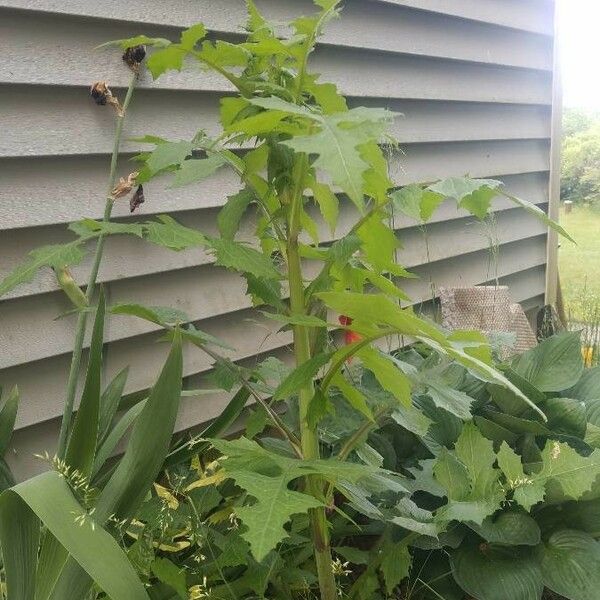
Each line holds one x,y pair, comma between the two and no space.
579,30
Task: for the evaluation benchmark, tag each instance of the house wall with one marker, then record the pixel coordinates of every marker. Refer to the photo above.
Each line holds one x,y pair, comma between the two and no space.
472,77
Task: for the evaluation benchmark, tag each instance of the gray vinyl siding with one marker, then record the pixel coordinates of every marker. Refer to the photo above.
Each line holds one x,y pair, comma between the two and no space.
473,79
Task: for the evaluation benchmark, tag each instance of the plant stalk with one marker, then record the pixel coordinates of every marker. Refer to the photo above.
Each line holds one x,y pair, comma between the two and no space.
309,438
81,326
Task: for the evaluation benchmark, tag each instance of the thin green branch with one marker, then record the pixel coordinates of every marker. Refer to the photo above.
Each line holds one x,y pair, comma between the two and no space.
81,326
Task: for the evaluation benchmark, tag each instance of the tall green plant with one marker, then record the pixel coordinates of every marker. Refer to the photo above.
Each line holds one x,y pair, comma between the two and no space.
302,156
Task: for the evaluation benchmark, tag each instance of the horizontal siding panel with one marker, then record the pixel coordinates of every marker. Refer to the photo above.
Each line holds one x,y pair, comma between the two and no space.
144,258
41,437
246,330
50,190
209,292
23,115
528,15
370,26
62,55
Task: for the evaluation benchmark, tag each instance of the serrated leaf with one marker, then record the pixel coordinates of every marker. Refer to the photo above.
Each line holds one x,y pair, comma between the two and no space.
389,376
86,226
57,256
168,154
170,234
328,203
336,146
266,477
454,401
300,376
474,195
353,395
191,36
412,419
244,259
264,291
138,40
395,564
231,214
195,170
166,59
161,315
408,200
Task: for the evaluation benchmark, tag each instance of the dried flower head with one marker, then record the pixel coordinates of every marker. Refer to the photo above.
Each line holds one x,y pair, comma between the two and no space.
124,186
134,56
101,95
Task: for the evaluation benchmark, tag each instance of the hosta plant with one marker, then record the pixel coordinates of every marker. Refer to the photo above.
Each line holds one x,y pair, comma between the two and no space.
303,157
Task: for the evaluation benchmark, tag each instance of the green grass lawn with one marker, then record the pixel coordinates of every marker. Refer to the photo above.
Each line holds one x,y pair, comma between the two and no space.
580,264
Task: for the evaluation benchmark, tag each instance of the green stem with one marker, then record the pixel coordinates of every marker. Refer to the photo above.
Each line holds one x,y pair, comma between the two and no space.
80,329
309,439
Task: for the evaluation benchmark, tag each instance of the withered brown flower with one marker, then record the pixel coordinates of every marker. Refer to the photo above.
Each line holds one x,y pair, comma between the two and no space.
134,56
101,95
137,198
124,186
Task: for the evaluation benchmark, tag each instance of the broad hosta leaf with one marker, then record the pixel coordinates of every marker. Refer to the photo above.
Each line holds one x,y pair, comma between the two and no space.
48,498
588,386
167,232
8,416
571,565
57,256
85,432
231,214
554,365
244,259
566,416
489,573
511,528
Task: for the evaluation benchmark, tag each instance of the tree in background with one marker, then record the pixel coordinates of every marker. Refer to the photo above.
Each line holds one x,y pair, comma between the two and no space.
581,156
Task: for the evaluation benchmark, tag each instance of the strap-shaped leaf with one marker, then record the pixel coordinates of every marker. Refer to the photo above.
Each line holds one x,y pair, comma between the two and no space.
48,498
8,416
139,467
84,435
